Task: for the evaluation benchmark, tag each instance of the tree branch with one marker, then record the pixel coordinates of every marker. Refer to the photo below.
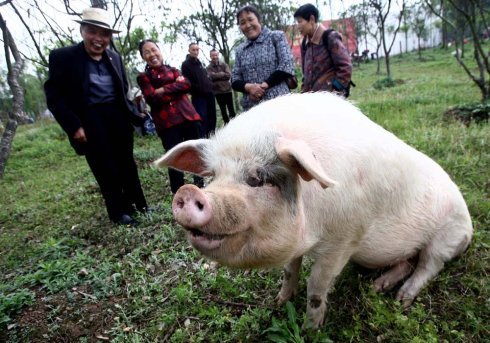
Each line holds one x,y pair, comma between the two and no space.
6,2
68,8
48,22
38,48
439,15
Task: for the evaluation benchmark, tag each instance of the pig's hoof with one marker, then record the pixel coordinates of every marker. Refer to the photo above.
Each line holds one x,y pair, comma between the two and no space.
382,284
406,298
311,324
315,313
288,290
283,297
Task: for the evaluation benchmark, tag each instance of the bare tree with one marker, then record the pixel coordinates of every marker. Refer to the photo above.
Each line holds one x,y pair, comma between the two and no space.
383,10
405,27
375,32
211,24
474,13
31,34
13,73
341,25
215,20
418,23
39,20
359,13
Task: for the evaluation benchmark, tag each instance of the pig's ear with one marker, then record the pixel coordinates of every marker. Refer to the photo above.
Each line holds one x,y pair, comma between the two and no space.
298,156
186,156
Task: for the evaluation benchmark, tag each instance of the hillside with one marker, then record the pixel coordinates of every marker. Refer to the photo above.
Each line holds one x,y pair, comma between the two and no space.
68,274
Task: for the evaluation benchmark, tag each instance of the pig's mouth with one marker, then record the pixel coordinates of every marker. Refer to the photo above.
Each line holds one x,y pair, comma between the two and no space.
205,241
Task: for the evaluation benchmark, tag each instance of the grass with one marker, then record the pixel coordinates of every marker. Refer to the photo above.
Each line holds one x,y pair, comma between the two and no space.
68,274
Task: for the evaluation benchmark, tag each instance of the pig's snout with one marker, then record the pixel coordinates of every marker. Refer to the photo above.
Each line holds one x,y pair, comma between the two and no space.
191,208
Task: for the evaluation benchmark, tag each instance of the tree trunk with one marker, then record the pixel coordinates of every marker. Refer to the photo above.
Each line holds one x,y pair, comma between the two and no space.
13,74
419,48
6,143
444,35
406,42
486,93
388,66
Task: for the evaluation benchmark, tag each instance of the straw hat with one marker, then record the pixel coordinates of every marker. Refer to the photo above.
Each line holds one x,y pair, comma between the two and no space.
97,17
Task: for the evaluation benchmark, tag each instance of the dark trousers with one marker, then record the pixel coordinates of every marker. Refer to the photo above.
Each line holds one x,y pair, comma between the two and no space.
171,137
109,155
206,107
226,100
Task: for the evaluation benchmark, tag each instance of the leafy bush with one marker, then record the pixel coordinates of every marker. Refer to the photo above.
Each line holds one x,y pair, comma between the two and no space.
477,112
282,331
12,303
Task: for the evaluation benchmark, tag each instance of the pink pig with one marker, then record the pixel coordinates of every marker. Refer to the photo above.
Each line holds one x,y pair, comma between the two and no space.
310,174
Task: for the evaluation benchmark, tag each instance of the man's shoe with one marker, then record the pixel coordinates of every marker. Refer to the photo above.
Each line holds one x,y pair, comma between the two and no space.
126,220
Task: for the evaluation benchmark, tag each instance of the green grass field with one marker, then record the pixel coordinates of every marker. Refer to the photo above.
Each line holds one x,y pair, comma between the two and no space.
68,275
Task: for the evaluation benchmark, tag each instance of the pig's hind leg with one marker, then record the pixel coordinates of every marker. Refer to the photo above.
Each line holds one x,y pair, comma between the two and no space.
390,278
449,242
290,281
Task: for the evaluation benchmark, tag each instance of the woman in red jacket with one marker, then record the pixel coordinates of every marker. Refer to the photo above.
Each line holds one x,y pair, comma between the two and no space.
165,90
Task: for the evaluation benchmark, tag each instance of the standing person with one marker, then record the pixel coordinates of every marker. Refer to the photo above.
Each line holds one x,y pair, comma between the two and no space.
201,90
325,59
87,93
148,127
263,62
220,75
165,90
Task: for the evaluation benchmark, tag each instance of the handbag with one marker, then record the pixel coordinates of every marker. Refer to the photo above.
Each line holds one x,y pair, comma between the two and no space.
149,126
292,82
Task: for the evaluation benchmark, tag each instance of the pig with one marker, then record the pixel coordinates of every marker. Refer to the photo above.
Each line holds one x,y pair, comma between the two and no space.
309,174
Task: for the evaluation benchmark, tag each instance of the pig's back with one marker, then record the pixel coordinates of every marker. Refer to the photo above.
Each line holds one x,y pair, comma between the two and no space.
330,125
377,173
310,116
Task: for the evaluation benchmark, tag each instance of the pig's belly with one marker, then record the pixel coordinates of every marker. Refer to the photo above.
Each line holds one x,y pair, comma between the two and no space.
388,251
378,260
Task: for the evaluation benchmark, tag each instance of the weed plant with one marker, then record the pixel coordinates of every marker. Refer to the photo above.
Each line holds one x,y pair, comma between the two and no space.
68,274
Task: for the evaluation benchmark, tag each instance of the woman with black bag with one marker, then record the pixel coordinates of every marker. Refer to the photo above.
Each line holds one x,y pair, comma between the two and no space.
147,127
263,63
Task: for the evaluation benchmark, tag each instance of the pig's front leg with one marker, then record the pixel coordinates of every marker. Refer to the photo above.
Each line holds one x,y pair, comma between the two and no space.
323,273
290,281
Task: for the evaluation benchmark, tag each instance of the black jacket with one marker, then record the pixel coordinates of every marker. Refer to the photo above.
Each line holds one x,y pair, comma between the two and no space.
67,88
193,69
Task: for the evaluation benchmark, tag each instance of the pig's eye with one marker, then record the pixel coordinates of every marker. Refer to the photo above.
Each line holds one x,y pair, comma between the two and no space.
254,181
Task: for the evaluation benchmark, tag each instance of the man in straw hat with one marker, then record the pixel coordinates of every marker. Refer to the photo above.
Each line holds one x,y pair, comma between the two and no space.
87,93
